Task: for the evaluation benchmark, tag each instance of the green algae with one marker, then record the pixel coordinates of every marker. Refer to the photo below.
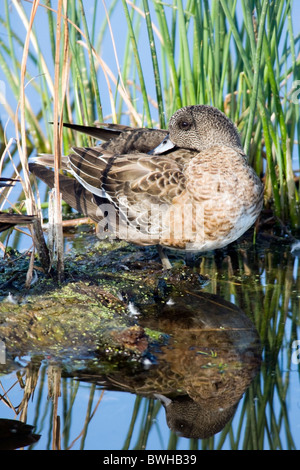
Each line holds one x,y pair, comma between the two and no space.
88,313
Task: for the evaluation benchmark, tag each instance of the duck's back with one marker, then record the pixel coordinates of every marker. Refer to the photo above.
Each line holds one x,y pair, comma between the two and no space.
118,139
134,141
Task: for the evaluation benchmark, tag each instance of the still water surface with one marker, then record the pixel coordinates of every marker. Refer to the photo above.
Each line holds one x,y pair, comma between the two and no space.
225,372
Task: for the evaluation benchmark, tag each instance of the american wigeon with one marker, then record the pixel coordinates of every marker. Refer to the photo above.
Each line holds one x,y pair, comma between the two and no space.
188,188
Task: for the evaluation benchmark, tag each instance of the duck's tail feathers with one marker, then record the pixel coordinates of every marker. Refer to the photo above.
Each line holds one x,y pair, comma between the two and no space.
102,131
46,159
72,192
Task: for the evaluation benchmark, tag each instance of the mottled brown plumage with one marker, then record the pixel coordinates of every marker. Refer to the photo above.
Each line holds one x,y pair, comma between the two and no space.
194,191
119,139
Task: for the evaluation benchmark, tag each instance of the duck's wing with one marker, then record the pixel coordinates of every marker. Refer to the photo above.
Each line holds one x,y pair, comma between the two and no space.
139,175
73,193
101,132
126,187
135,184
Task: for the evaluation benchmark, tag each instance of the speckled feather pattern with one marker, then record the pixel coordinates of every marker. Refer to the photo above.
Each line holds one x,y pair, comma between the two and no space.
201,195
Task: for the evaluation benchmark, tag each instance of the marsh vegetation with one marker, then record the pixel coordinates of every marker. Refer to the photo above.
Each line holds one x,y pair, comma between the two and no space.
135,63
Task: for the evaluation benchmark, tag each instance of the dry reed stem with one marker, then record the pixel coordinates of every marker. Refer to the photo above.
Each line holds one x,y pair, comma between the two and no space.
32,38
54,381
114,46
5,151
60,83
109,74
36,231
23,147
106,70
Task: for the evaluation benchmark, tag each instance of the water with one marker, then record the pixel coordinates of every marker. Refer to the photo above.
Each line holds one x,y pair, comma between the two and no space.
226,357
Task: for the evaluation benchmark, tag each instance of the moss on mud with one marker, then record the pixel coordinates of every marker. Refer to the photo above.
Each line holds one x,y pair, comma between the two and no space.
91,310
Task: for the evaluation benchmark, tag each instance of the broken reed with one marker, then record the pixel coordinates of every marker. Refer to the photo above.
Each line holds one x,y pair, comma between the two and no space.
240,56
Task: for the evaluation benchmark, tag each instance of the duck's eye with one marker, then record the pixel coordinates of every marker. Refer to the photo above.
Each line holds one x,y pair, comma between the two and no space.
184,125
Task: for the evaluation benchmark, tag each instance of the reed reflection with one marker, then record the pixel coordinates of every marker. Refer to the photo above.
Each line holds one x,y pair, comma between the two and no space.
209,356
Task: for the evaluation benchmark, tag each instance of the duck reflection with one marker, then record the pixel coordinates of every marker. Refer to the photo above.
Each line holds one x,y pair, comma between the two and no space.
15,434
208,354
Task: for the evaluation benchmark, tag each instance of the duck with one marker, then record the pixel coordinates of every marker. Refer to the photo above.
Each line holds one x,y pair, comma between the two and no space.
188,188
9,219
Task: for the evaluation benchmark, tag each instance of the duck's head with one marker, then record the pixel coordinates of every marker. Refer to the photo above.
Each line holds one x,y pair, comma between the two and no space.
197,128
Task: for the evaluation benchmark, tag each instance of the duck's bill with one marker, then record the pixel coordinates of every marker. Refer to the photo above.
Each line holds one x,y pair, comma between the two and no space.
163,147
